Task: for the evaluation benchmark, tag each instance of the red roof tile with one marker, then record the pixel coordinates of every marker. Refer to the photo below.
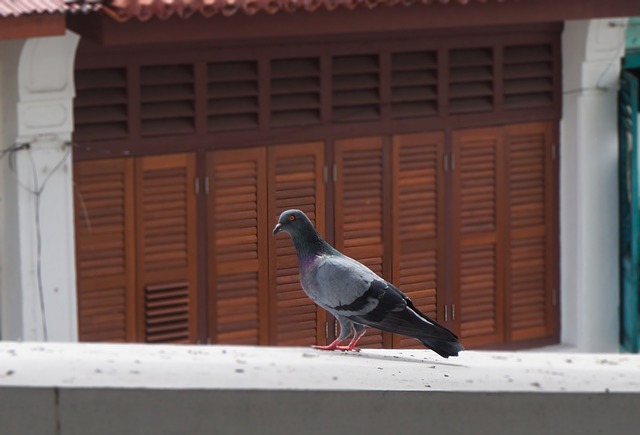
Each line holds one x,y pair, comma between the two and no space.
123,10
17,8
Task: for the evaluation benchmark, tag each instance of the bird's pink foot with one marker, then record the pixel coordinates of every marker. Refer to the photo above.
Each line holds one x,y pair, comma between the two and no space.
348,348
332,346
327,347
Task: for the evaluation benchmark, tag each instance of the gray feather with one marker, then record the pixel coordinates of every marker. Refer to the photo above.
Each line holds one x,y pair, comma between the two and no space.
337,281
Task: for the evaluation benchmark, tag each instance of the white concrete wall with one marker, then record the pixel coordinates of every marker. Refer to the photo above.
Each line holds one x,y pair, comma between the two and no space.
64,389
39,94
9,57
589,184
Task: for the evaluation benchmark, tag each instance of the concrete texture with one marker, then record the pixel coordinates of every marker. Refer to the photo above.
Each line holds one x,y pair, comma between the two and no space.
69,389
281,368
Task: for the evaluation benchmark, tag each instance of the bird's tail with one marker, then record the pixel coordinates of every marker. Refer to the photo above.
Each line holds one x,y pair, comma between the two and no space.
443,348
413,323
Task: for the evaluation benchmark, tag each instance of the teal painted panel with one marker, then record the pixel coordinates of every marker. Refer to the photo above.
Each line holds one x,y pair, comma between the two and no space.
629,212
633,34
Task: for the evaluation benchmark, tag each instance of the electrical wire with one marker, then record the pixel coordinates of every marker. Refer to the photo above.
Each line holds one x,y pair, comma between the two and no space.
37,193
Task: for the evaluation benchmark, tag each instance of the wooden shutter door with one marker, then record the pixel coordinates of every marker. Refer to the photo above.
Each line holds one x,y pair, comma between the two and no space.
104,218
477,246
166,248
239,235
359,208
418,221
530,276
295,180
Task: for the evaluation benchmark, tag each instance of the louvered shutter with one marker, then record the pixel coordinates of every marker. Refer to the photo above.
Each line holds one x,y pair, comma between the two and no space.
414,82
166,248
101,104
530,232
528,76
478,258
418,220
470,80
167,100
359,208
238,232
104,210
232,96
295,180
295,92
355,88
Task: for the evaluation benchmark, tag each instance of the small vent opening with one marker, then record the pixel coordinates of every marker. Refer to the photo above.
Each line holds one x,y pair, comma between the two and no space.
167,313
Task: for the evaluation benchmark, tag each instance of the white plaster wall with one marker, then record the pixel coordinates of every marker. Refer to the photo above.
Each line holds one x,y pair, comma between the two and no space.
9,243
42,117
588,184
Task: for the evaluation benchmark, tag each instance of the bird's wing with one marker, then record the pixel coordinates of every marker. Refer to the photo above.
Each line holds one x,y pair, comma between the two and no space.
349,288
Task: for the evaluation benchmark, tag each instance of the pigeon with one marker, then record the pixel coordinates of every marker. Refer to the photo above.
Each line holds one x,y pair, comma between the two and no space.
355,295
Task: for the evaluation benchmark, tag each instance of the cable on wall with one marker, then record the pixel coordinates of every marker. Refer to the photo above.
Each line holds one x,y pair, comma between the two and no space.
37,194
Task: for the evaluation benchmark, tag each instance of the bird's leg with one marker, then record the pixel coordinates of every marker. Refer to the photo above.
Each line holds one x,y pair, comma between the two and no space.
346,326
358,332
332,346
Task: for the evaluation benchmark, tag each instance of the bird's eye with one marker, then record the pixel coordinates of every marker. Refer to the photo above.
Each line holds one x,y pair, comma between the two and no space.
292,218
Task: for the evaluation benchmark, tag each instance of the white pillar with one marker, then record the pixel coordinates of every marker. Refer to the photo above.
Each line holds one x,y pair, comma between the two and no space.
39,263
589,184
9,298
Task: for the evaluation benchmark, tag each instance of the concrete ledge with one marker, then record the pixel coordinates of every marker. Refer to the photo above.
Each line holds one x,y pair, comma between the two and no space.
280,368
139,389
131,411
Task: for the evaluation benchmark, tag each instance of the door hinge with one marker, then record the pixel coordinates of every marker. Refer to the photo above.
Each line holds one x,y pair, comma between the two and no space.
326,174
206,185
335,173
445,313
449,162
453,312
335,328
326,330
197,186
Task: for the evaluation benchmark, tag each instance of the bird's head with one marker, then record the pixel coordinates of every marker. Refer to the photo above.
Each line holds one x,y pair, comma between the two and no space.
292,221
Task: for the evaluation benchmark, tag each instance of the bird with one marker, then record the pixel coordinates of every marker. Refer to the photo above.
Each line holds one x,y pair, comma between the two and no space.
355,295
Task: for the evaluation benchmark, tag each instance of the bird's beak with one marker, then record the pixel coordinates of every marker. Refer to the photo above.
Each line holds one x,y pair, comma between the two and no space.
277,228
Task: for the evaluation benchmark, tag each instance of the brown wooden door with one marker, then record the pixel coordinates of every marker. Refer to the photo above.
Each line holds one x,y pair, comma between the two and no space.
530,232
295,180
360,209
478,258
166,248
105,250
136,249
418,223
239,234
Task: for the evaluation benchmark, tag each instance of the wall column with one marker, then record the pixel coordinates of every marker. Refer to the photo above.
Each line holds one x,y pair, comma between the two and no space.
38,282
589,184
